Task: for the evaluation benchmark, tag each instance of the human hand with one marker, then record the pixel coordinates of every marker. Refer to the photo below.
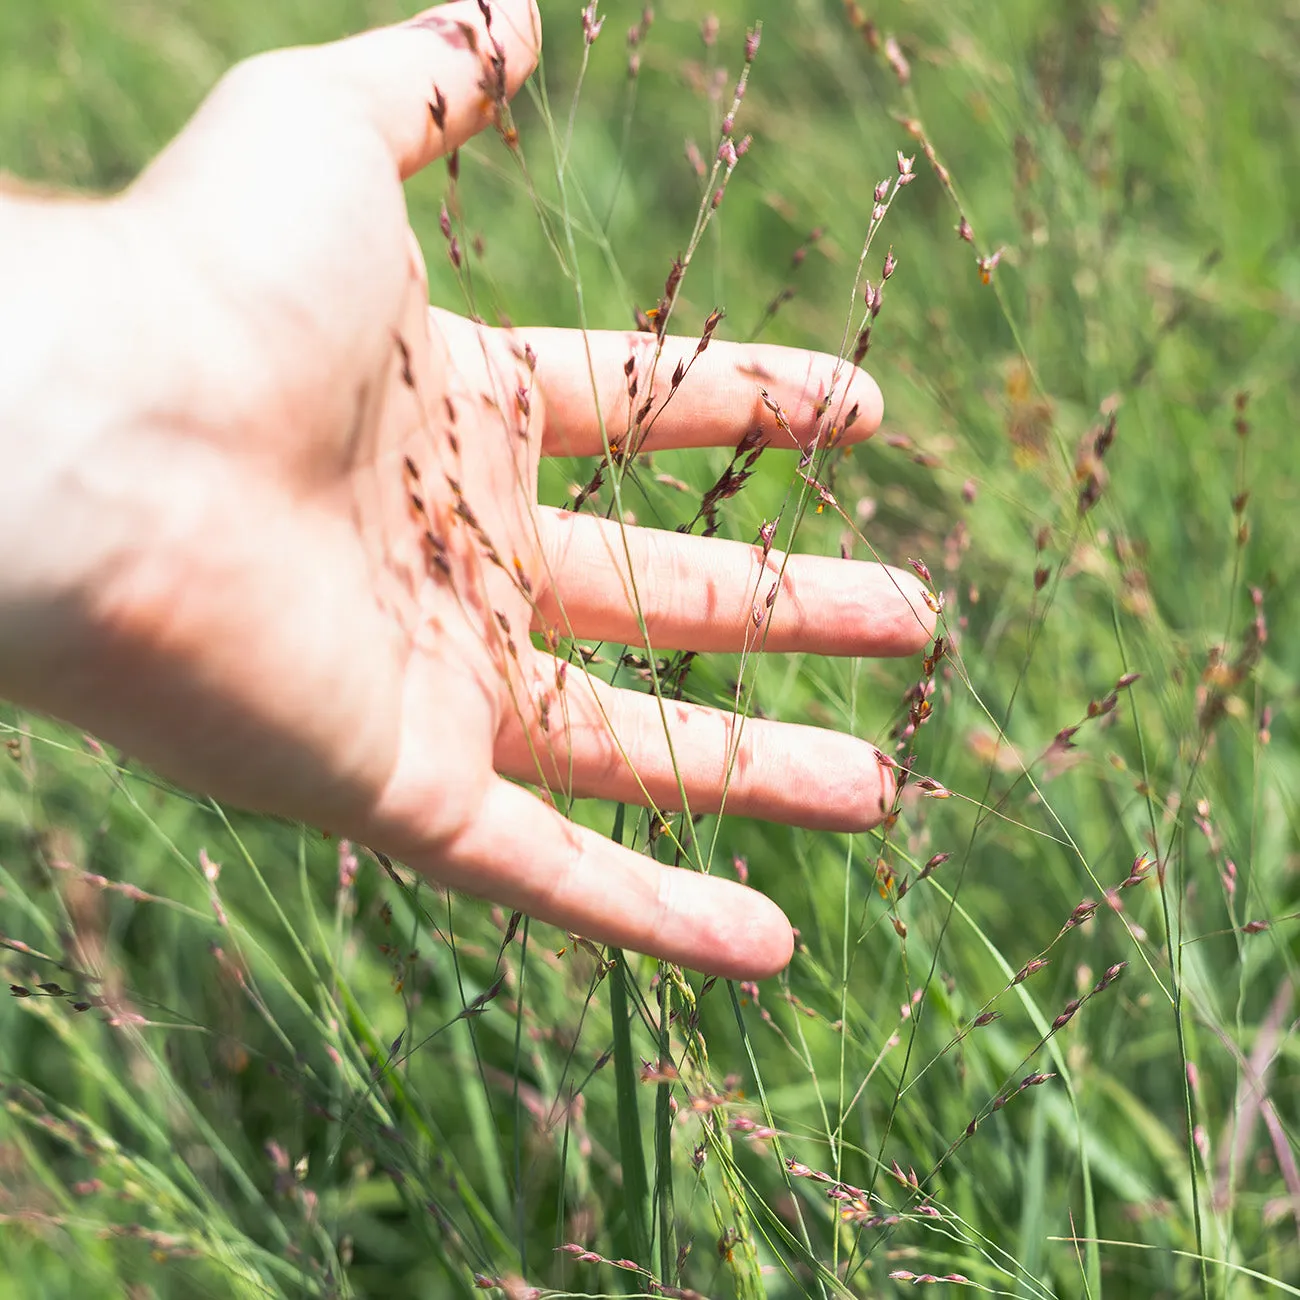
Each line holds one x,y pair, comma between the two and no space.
308,548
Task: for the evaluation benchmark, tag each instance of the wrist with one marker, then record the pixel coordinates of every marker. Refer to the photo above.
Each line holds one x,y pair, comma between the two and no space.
73,338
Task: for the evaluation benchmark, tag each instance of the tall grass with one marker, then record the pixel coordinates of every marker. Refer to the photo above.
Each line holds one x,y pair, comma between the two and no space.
1038,1036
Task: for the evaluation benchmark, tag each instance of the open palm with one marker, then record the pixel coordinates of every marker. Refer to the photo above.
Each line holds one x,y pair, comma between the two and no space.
327,561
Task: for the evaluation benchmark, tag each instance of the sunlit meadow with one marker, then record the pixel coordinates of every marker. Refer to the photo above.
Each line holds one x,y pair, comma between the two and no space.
1039,1036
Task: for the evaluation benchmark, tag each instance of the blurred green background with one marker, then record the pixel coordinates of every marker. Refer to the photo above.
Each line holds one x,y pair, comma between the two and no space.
263,1132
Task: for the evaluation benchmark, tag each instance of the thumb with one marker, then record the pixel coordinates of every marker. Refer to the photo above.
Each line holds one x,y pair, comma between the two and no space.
431,83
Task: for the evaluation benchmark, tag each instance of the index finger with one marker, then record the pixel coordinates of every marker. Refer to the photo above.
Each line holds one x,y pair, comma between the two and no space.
587,381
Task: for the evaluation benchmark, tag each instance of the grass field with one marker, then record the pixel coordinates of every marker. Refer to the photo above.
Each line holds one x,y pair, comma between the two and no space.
1062,1061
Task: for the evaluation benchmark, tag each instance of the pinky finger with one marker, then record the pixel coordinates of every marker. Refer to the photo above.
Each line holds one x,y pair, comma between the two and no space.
520,852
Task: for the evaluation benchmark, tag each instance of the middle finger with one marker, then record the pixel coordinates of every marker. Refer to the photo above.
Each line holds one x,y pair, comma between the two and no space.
718,596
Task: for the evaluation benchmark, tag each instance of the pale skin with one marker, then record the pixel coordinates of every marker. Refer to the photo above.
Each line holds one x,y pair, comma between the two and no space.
210,389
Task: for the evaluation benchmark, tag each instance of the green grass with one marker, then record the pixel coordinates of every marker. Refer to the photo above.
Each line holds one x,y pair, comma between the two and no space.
314,1102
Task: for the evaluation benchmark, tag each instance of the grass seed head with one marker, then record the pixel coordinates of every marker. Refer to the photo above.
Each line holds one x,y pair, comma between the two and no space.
1031,967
